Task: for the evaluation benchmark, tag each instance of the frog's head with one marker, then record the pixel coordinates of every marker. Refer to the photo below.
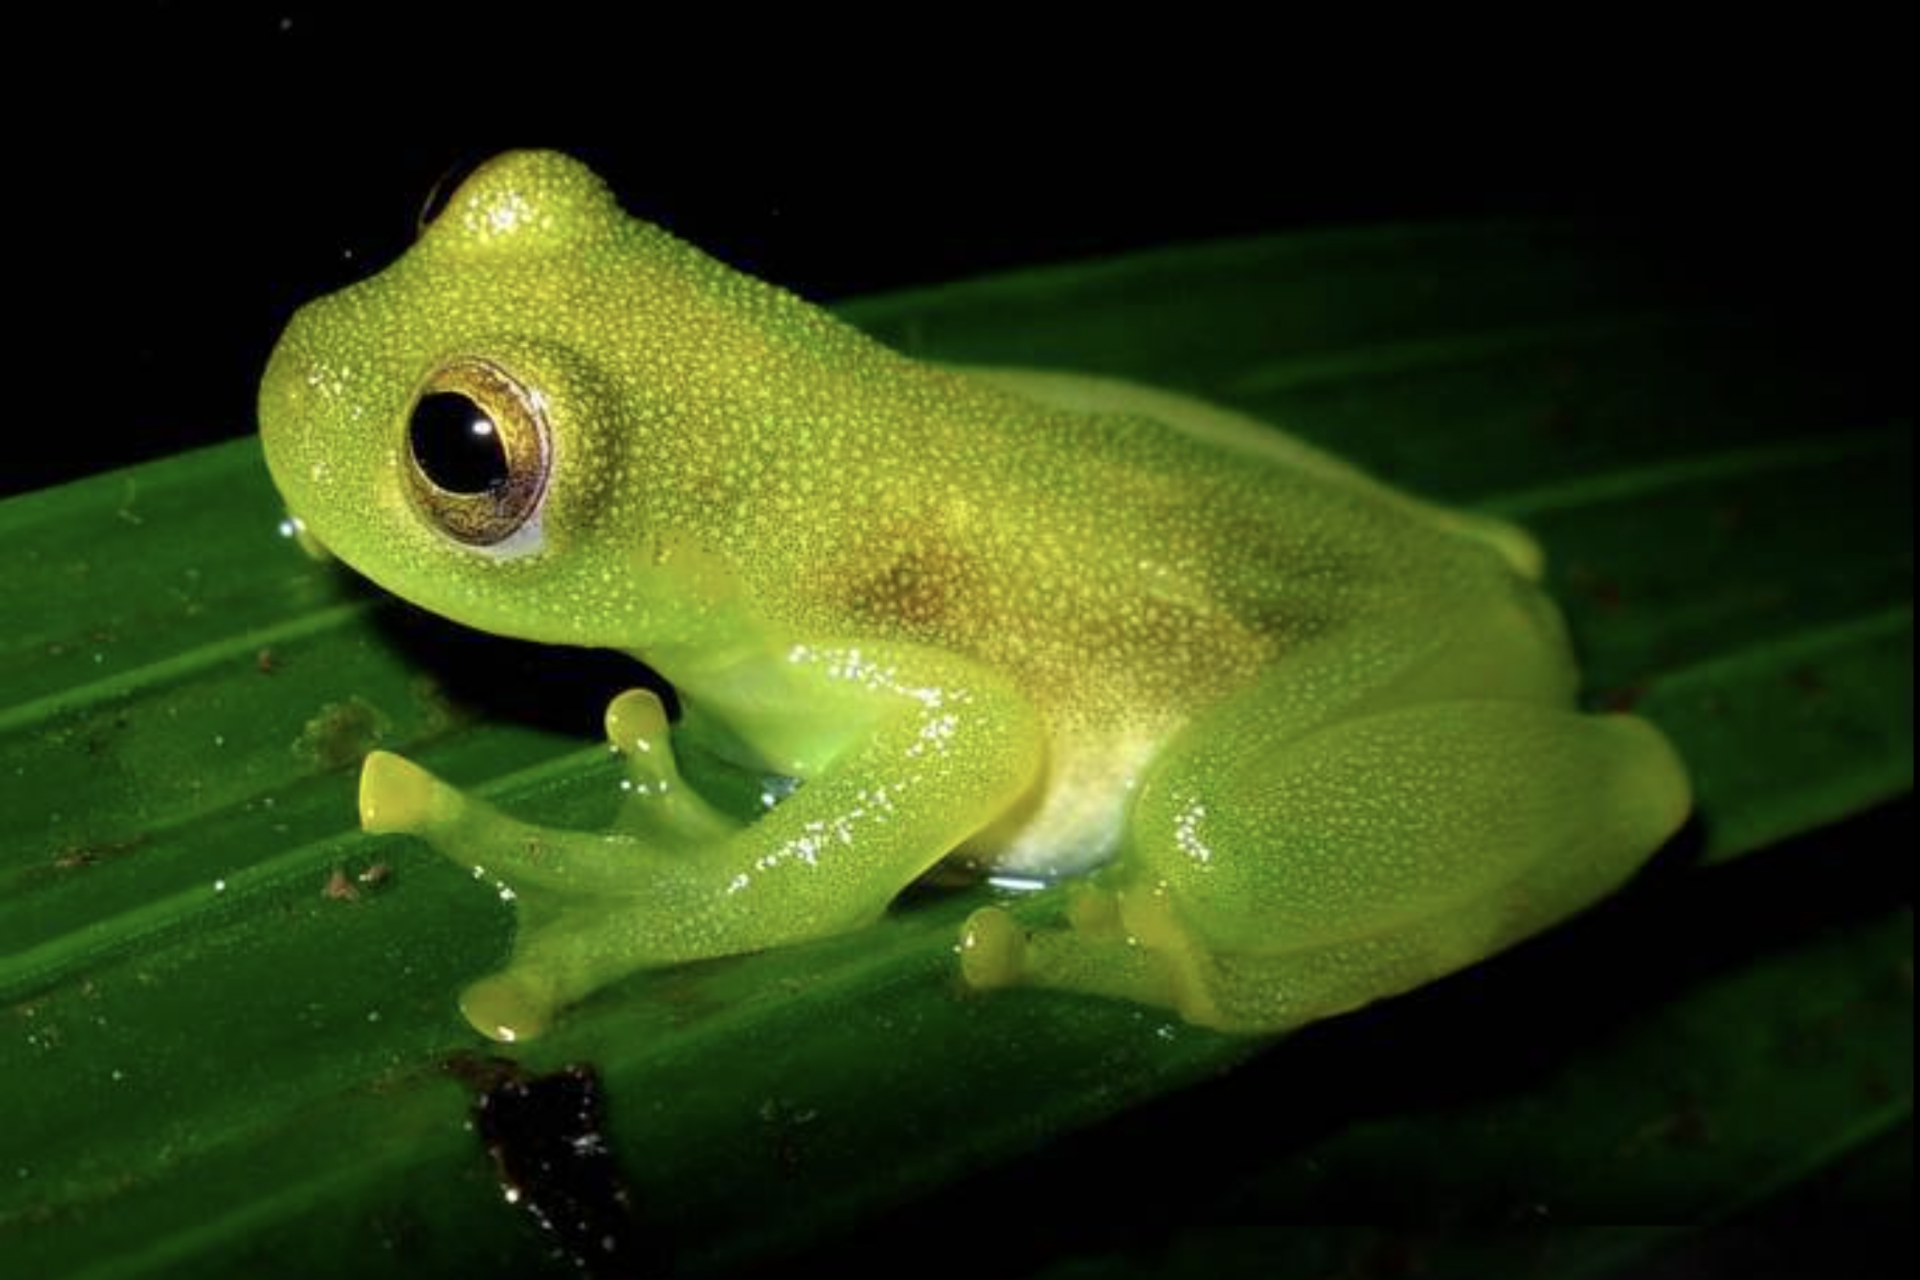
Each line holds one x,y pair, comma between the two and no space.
485,427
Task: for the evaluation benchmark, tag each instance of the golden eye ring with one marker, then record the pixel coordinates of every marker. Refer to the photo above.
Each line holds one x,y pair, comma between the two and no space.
478,451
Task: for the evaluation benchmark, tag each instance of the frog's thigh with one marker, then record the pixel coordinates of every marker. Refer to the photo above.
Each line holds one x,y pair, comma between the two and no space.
1278,880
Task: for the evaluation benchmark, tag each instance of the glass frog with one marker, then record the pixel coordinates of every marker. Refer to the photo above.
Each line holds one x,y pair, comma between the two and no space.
1304,741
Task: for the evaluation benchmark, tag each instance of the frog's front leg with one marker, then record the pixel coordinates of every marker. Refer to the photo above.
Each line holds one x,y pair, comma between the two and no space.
1271,880
925,749
661,813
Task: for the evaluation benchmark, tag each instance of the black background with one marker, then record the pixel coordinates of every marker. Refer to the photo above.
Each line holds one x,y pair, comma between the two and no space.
180,181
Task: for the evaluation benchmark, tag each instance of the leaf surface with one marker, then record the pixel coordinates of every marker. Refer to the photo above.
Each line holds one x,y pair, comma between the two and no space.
230,1028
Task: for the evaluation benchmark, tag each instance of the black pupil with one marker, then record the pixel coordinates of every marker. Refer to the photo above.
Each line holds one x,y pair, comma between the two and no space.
457,445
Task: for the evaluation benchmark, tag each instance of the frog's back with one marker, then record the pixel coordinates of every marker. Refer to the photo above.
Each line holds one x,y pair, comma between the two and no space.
1237,435
1122,549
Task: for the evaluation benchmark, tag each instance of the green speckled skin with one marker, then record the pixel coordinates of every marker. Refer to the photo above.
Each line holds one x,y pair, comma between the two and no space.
1319,737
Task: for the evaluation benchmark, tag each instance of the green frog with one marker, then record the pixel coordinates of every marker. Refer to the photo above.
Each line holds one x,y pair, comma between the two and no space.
1301,740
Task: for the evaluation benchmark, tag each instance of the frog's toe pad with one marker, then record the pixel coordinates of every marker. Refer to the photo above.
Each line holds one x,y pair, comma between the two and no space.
506,1008
636,720
395,794
993,950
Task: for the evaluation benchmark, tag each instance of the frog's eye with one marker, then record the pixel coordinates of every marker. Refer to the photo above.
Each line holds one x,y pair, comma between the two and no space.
477,452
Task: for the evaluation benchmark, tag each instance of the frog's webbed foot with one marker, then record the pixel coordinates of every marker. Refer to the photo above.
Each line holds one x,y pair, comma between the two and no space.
1093,954
661,814
587,902
659,805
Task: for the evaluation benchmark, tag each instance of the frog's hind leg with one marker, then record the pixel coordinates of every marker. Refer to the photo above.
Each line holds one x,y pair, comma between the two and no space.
1270,881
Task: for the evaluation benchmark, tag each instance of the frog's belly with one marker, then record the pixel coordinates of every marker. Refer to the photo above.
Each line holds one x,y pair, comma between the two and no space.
1076,820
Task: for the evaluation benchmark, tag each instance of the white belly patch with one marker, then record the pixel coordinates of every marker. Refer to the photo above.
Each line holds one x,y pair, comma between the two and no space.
1080,818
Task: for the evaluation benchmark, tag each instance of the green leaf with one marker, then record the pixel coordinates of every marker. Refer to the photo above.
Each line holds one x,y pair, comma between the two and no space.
230,1033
